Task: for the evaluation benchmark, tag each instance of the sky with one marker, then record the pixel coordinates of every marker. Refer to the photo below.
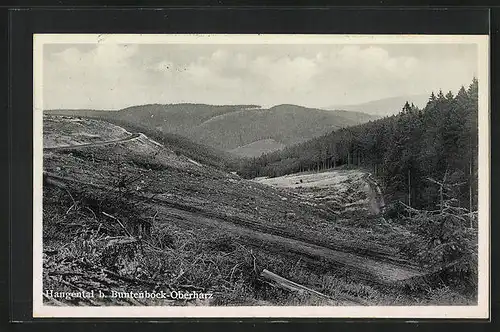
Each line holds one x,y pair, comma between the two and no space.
115,76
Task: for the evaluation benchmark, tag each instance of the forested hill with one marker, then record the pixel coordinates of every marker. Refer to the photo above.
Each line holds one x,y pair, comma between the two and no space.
246,130
285,124
411,152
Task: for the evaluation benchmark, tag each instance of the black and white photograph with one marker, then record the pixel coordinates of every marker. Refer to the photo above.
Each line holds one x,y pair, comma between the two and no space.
261,175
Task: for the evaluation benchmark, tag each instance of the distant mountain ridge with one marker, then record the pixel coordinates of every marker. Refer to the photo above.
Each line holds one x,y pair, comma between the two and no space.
384,107
242,129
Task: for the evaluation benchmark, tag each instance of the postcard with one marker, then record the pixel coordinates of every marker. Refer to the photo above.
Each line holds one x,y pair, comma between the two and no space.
261,176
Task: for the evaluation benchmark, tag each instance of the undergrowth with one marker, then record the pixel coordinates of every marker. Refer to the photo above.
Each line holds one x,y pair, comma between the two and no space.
83,248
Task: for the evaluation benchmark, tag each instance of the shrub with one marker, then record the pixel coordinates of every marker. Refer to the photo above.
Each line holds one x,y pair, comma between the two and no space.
447,245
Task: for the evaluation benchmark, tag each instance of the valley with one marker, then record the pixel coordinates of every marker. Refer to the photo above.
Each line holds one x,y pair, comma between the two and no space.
246,130
123,211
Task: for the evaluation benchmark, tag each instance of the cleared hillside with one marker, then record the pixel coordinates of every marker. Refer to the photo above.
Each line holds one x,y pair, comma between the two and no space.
137,215
70,125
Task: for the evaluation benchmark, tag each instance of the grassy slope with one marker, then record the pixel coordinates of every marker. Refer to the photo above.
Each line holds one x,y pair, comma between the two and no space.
183,146
184,252
188,255
179,144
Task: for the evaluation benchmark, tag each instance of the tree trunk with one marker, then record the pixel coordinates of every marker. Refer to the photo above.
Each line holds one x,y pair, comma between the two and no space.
441,197
409,191
470,190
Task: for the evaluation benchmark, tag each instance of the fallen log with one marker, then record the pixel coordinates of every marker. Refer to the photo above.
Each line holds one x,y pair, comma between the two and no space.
295,287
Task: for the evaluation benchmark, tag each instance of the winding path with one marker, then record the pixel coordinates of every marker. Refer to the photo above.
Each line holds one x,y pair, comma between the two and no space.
132,137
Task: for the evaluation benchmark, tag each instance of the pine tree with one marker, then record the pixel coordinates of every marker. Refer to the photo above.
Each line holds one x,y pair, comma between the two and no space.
449,96
473,89
462,96
406,108
440,95
472,125
431,103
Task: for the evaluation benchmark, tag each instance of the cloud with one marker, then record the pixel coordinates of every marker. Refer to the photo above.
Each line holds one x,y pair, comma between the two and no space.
116,76
105,56
102,76
286,74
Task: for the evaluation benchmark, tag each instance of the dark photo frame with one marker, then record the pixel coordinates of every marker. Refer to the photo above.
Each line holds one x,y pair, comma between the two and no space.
24,23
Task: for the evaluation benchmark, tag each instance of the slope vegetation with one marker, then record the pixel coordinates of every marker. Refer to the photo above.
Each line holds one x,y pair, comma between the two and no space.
257,148
231,127
427,163
286,124
137,215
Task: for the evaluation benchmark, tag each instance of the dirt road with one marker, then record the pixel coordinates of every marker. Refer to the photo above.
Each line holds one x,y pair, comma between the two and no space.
356,265
87,145
359,267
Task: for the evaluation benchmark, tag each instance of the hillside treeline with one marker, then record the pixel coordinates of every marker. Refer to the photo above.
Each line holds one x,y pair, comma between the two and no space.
422,157
179,144
228,127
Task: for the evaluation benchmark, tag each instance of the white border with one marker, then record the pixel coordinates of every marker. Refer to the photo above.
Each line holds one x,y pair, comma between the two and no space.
479,311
